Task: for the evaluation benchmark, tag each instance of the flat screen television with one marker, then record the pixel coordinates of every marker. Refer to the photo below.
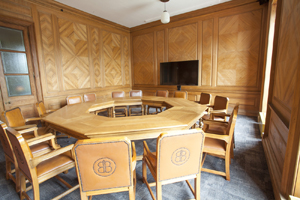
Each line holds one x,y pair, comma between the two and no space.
179,73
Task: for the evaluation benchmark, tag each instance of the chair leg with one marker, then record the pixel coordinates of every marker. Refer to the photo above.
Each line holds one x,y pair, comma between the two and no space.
158,191
197,187
144,171
36,190
131,193
22,186
8,168
227,166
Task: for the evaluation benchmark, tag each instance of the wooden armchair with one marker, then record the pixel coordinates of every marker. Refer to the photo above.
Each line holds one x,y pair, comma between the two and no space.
220,107
177,158
159,93
205,99
76,99
92,97
15,119
42,110
119,94
219,143
181,94
39,169
37,149
136,93
110,166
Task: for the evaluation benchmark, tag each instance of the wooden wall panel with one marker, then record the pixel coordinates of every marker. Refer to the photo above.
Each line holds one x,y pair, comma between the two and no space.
112,58
143,62
183,43
96,58
160,51
207,54
238,52
74,55
126,50
49,52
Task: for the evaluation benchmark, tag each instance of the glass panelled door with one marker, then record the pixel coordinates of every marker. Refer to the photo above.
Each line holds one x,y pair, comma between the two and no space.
16,72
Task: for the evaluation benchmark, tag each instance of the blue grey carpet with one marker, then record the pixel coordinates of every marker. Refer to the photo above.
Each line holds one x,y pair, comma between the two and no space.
250,178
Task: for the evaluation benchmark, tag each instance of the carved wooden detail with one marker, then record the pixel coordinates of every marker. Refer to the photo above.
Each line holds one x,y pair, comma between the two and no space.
160,45
112,58
96,57
126,55
207,46
183,43
74,55
238,49
143,59
50,67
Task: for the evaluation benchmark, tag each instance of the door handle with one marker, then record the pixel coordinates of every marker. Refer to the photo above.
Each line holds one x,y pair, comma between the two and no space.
7,102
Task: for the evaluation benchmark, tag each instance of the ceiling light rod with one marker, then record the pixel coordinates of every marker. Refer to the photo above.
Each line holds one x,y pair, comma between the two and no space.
165,17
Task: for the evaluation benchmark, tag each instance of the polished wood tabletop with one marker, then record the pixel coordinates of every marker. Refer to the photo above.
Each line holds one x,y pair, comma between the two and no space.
79,121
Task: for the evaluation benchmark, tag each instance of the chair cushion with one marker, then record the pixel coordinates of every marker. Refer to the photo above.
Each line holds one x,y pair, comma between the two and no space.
214,144
54,163
206,117
216,129
38,148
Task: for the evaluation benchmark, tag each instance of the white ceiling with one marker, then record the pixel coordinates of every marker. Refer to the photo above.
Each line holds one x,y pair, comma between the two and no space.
131,13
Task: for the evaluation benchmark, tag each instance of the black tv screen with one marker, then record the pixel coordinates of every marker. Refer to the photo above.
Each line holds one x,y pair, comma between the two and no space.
179,73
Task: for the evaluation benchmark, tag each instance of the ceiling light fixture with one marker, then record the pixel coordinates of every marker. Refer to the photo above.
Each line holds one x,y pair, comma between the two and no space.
165,17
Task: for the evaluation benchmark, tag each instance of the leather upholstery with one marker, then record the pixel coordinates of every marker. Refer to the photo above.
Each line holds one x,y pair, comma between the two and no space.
52,164
162,93
118,94
180,94
213,144
74,100
5,142
135,93
221,103
205,98
89,97
14,117
107,166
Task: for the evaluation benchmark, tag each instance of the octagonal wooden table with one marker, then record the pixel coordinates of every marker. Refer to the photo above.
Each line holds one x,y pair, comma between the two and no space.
79,121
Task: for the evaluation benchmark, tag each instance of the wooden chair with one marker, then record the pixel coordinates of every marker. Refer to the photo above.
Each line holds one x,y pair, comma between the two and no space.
39,169
219,143
205,99
119,94
136,93
177,158
74,99
220,107
181,94
110,166
42,110
37,149
15,119
159,93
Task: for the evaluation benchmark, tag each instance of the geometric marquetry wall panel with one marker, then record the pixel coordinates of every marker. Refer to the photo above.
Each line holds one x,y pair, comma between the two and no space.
126,57
160,45
96,58
50,67
143,62
207,57
112,58
238,52
183,43
74,55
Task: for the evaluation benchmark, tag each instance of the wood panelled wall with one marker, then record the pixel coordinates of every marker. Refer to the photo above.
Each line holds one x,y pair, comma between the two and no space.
228,44
77,53
282,133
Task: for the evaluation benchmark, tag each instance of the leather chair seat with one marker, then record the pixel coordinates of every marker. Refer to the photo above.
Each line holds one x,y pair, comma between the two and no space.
38,148
214,129
53,163
213,144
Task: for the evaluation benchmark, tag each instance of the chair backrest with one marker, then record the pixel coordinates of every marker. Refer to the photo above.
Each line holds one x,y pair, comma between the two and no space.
108,164
221,103
7,148
180,94
14,117
22,152
41,108
135,93
179,154
74,99
89,97
232,122
117,94
162,93
205,98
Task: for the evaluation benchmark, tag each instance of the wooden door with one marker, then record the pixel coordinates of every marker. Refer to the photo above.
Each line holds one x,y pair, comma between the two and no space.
16,70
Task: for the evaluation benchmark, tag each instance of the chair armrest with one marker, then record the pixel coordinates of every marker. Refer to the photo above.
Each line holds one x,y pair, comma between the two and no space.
32,119
218,111
218,137
133,155
20,128
43,138
49,111
37,160
214,122
34,129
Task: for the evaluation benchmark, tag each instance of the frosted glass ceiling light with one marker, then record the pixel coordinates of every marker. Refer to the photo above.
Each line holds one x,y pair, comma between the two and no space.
165,17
